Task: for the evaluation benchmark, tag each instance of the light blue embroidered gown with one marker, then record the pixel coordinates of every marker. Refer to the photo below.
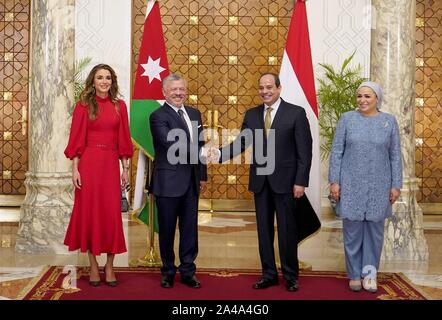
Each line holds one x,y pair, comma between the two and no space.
366,162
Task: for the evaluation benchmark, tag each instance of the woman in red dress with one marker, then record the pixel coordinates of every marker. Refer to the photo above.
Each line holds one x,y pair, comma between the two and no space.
99,138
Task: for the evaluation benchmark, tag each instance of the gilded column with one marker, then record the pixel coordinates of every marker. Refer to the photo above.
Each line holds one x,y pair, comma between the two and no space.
393,66
48,203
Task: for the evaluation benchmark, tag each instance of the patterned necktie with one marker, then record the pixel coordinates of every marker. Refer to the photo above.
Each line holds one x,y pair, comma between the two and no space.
181,113
268,120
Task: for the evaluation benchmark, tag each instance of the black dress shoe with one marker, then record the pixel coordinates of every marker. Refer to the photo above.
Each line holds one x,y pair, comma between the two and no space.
167,281
192,282
292,285
265,283
112,283
94,283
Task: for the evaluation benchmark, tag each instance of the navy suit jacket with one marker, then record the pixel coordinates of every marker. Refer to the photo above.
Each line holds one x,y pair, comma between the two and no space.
293,147
172,179
293,154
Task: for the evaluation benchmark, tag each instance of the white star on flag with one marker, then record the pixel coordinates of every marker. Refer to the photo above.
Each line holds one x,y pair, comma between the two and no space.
152,69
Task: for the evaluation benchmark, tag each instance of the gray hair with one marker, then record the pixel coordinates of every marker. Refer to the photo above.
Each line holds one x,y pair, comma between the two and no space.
376,88
173,77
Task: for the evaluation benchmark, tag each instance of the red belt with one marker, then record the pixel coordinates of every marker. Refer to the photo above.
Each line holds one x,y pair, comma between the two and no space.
102,146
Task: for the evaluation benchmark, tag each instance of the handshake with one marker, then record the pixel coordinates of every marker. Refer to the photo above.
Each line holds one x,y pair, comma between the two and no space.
211,154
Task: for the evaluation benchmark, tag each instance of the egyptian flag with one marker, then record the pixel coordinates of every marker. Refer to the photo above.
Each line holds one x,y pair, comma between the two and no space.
298,87
147,97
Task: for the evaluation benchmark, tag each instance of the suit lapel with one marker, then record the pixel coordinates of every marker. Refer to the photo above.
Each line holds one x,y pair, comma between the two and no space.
193,116
260,124
276,120
176,117
279,115
260,115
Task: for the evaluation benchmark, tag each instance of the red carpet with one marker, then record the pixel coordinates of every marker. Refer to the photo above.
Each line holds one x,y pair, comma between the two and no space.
144,284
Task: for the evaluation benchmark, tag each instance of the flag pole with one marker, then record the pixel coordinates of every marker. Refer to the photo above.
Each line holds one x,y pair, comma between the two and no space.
147,93
151,258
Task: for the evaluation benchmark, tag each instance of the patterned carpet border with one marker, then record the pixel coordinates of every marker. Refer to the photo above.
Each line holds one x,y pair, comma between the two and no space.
53,284
25,291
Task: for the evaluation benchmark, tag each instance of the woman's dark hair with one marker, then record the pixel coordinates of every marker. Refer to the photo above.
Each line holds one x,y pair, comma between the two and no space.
87,96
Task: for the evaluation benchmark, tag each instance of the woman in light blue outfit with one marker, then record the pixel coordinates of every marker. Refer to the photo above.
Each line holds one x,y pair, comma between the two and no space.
365,177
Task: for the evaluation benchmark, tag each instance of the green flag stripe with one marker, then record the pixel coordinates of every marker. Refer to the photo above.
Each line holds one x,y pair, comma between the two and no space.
140,112
139,123
144,216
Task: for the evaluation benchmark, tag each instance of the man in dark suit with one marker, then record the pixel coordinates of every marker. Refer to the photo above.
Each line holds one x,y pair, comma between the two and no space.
281,133
177,179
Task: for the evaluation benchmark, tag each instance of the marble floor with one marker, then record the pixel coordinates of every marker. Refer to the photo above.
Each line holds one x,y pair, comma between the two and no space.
226,240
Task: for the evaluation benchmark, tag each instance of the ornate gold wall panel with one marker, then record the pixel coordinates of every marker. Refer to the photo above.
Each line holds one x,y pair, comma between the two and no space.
429,100
221,48
14,74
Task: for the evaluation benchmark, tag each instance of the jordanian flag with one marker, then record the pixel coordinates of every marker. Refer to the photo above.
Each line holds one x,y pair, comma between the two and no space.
147,97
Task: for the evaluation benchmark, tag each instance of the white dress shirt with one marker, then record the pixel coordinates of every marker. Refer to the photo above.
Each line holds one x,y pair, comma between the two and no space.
275,107
186,118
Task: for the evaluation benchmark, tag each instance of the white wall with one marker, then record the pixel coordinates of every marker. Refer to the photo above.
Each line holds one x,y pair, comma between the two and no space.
103,33
337,28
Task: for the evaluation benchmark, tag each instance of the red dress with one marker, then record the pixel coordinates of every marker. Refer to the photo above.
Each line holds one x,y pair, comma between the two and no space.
96,223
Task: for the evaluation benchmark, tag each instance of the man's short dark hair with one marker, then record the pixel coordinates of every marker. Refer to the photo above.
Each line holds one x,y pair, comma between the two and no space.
275,76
